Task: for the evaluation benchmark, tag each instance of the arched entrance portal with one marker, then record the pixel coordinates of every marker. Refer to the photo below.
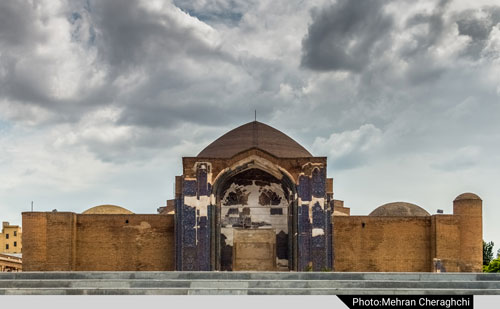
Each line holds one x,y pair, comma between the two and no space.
254,222
253,196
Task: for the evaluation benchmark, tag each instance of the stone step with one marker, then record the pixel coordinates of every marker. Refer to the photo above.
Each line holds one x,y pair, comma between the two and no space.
254,276
233,283
248,291
223,284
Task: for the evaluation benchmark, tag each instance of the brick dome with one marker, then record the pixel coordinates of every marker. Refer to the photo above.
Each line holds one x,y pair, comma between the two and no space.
254,135
467,196
399,209
107,210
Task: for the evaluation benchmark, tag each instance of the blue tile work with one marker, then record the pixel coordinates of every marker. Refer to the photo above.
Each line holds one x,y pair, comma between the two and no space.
188,226
193,219
314,250
304,188
178,233
329,239
189,188
318,214
201,177
304,237
203,246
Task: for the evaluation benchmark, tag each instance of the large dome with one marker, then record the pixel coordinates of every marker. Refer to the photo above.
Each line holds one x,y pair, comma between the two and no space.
399,209
254,135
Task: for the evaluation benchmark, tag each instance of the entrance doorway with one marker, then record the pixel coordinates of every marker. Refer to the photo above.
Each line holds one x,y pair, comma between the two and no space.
254,222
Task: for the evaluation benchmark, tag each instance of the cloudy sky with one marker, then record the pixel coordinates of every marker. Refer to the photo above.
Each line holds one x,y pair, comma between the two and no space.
99,100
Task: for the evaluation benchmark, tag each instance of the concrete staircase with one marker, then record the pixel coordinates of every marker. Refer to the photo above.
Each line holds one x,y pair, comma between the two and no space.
245,283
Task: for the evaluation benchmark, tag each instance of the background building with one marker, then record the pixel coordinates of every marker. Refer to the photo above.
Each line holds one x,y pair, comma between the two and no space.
11,262
11,238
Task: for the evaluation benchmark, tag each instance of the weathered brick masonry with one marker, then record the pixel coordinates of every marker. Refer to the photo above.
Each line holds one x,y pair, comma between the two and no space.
395,243
68,241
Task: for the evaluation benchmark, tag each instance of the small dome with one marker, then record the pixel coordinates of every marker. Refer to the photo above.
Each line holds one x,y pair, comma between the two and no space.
254,135
399,209
467,196
107,210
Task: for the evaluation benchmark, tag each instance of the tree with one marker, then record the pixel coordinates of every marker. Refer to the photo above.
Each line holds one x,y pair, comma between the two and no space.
487,252
498,253
493,267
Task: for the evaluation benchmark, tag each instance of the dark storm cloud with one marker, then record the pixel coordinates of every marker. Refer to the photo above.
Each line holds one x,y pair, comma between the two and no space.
130,36
128,39
410,87
208,98
17,24
28,65
435,29
346,35
177,64
351,35
477,27
19,33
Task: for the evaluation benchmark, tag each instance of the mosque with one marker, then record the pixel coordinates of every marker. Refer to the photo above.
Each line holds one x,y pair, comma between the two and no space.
254,199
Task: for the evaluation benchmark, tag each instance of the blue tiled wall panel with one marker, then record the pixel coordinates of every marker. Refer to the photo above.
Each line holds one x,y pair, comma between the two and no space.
318,218
189,188
201,178
304,188
318,257
193,239
318,183
314,250
203,245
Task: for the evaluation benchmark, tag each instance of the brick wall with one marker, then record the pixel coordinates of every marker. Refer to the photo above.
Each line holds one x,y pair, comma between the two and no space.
363,243
67,241
446,241
108,242
48,241
34,241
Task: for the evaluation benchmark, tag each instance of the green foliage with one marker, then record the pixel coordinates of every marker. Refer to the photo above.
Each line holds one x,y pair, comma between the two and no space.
487,252
493,267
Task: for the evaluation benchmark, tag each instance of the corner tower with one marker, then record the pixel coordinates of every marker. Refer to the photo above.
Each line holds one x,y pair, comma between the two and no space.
254,199
469,208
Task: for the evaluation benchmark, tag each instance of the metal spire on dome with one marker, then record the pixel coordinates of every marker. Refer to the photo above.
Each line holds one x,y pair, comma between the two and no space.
255,141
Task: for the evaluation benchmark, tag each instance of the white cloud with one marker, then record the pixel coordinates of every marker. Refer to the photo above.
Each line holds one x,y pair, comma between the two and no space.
350,149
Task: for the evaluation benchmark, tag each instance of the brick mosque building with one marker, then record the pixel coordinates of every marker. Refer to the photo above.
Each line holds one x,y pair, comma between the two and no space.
255,199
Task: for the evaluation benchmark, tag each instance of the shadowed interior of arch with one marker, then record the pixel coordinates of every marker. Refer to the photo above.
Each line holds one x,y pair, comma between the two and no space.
254,200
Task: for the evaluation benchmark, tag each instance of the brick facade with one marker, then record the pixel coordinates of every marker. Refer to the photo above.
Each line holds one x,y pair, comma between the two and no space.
65,241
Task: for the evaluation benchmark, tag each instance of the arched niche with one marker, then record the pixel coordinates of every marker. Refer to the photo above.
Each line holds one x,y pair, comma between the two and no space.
252,197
